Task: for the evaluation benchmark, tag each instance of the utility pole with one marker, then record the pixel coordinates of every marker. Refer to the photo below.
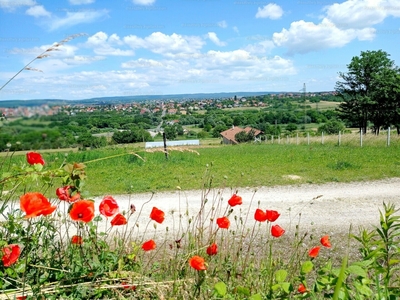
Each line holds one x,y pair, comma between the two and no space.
304,104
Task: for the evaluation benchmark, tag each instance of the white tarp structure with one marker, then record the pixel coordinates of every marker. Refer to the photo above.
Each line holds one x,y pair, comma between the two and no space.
172,143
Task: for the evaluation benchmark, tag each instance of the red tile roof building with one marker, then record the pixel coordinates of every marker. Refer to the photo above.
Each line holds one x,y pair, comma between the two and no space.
228,136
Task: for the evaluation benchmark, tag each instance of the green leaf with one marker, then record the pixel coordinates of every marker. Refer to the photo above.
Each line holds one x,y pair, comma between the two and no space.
286,286
280,275
220,288
242,290
307,267
357,270
341,278
363,289
256,297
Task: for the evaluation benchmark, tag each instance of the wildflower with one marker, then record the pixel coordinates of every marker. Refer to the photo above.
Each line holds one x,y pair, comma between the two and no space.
64,193
223,222
10,254
235,200
119,219
313,253
34,158
260,215
272,215
21,297
108,206
197,263
128,286
157,215
325,241
212,249
35,204
277,231
82,210
149,245
76,240
302,289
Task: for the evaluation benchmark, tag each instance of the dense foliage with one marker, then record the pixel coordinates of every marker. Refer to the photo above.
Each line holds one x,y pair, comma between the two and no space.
370,92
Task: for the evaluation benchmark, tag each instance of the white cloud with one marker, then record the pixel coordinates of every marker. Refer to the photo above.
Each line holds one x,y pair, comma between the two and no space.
213,37
357,13
102,44
260,47
222,24
13,4
143,2
168,45
304,37
271,10
235,29
82,60
38,11
74,18
79,2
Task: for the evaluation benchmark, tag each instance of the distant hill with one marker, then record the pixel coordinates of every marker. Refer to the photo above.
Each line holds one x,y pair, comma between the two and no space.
128,99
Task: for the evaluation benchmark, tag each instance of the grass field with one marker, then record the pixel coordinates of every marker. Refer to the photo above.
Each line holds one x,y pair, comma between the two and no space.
116,171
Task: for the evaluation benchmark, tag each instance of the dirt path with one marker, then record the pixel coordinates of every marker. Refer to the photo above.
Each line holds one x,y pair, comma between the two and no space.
331,207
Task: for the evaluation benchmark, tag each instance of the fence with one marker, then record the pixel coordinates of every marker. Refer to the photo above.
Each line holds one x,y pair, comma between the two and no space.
385,138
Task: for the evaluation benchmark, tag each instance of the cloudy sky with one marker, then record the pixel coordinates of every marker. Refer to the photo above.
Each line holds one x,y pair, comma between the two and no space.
137,47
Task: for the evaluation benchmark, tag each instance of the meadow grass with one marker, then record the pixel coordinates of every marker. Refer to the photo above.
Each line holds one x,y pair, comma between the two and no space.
115,170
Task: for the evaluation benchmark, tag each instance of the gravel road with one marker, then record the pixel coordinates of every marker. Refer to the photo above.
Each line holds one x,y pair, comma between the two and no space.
331,207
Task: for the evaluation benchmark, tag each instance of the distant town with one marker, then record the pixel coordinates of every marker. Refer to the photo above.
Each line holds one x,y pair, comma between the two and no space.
171,106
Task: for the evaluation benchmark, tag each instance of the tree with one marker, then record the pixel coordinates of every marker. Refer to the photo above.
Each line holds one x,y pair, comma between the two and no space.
331,127
291,127
366,90
243,136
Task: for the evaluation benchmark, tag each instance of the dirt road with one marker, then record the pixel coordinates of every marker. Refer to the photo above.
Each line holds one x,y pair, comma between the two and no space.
329,207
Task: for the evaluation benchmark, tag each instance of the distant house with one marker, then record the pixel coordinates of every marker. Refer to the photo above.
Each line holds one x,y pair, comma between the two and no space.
228,136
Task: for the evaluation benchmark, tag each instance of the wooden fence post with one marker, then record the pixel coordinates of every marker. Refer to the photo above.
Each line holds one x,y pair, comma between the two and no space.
165,145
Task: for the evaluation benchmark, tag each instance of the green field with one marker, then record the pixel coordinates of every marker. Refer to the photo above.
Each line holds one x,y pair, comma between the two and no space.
115,171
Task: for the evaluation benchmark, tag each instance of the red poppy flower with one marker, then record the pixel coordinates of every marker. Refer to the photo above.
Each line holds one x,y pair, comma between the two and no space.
35,204
325,241
10,254
76,240
302,289
128,286
108,206
212,249
149,245
272,215
277,231
313,253
34,158
119,219
157,215
260,215
21,297
197,263
235,200
64,193
82,210
223,222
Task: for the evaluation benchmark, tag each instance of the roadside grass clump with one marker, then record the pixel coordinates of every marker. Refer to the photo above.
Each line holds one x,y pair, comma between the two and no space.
66,246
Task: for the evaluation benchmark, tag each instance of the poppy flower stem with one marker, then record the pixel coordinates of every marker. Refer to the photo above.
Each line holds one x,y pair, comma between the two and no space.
28,238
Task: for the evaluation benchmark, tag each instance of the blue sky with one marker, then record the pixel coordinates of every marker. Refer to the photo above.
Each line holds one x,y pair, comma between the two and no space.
140,47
